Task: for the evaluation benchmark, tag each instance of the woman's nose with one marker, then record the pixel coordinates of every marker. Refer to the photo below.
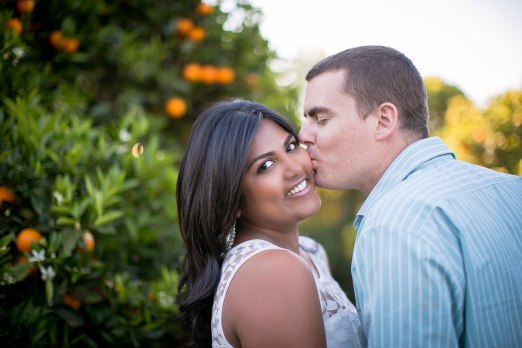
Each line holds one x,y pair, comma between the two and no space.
293,167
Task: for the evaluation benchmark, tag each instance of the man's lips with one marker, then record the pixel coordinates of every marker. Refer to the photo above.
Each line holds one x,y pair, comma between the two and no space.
311,152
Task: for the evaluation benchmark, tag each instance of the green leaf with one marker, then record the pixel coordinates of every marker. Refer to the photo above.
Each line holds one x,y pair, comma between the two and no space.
65,221
71,317
130,184
61,210
55,241
20,271
49,290
98,202
90,293
79,208
88,186
110,216
5,240
70,240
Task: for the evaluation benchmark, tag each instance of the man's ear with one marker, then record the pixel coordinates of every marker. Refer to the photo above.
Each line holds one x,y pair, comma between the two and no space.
387,121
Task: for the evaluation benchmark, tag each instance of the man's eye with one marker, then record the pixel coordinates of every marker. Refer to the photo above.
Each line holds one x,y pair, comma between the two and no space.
292,146
322,121
264,166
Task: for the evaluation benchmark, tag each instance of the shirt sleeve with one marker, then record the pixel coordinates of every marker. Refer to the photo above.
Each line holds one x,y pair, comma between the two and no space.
409,286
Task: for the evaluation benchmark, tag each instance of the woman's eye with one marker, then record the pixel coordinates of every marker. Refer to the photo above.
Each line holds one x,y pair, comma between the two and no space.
265,165
292,146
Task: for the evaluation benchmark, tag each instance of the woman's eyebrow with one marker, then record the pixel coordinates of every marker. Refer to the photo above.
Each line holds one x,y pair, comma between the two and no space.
270,153
288,138
267,154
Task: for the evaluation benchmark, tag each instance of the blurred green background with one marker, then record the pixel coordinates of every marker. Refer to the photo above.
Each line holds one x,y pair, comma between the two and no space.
97,98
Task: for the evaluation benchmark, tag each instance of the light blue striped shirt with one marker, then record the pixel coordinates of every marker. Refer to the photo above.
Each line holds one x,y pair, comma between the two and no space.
438,254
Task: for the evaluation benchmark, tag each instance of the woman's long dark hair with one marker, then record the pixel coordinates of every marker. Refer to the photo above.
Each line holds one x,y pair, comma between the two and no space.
208,198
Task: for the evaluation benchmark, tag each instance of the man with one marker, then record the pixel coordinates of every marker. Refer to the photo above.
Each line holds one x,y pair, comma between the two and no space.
438,255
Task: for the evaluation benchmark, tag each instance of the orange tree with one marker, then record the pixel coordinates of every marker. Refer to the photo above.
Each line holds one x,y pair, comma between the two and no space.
97,100
439,95
491,138
505,115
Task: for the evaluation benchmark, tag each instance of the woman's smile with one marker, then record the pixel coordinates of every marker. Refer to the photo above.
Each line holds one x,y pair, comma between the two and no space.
300,189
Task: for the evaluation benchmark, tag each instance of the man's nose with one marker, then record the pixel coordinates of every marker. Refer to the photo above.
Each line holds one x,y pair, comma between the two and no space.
306,136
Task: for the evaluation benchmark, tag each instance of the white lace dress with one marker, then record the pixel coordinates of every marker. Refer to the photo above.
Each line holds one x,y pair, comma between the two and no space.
341,322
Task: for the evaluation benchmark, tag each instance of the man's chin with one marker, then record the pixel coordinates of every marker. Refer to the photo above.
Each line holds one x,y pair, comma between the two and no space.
324,184
318,181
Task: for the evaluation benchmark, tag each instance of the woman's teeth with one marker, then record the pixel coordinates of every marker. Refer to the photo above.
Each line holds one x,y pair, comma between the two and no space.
297,188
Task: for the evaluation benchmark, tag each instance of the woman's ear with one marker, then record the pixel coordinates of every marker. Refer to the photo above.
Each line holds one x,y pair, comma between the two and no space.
388,120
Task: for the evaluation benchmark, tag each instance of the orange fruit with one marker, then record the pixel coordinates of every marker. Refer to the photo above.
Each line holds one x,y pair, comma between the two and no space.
25,6
6,195
72,301
55,39
192,72
184,26
175,107
25,237
196,34
204,9
70,45
225,75
88,240
15,25
209,74
251,79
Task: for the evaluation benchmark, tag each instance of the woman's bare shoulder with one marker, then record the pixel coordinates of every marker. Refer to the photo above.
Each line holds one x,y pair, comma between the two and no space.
273,297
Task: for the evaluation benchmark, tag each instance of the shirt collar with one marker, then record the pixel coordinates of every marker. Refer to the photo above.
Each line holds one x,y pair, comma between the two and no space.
406,163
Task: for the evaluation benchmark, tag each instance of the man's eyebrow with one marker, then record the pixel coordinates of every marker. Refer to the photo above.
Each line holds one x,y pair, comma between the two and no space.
314,111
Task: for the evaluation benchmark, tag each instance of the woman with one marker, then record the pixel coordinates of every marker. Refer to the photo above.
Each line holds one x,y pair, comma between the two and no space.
249,279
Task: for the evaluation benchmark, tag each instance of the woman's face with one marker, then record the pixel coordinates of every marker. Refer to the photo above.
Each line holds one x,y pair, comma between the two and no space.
278,185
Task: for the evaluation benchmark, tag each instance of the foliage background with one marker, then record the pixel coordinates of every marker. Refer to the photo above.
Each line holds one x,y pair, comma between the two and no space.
86,145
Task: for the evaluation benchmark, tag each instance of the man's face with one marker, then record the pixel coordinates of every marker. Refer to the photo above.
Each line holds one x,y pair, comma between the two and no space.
340,142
